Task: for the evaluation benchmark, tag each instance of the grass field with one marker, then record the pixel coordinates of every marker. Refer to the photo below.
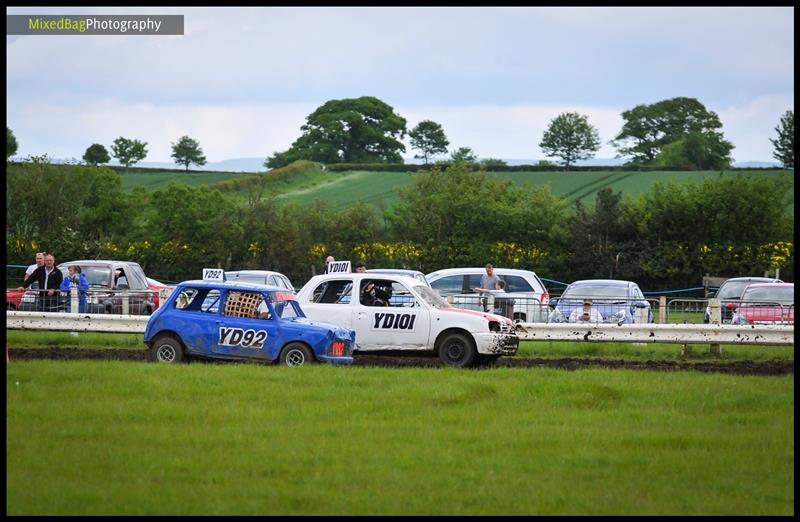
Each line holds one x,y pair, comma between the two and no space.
122,438
379,189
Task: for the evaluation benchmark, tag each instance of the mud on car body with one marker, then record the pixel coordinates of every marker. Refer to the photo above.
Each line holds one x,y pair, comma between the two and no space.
401,313
224,320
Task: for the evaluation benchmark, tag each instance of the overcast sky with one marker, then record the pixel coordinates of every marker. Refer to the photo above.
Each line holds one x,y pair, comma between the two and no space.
242,80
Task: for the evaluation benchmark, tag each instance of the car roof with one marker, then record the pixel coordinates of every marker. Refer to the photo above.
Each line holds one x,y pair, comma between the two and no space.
482,269
770,285
755,279
358,276
231,285
253,272
97,262
397,271
608,282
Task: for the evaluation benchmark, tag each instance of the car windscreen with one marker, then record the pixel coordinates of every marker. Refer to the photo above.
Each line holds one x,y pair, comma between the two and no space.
604,292
731,290
431,296
97,276
779,295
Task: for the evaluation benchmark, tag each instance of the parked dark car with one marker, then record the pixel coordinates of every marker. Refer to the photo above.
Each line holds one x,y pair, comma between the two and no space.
730,291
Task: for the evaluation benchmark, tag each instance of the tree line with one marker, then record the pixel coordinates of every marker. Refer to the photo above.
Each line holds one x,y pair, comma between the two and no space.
675,133
454,216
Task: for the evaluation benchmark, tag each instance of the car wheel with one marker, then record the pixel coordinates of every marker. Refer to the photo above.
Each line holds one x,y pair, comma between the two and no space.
456,349
167,349
296,354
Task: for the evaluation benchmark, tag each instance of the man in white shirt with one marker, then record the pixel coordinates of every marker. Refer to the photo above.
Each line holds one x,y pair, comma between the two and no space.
585,314
39,262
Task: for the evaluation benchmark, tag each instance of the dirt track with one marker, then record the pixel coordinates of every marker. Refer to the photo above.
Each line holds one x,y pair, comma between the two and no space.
424,361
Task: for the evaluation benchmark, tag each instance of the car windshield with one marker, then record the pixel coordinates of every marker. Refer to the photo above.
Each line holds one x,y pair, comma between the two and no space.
604,292
285,305
767,295
431,296
731,290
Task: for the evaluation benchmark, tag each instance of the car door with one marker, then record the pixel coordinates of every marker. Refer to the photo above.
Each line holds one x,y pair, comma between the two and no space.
239,336
329,302
403,325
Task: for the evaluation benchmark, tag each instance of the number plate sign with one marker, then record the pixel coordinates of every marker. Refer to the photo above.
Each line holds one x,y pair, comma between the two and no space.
213,274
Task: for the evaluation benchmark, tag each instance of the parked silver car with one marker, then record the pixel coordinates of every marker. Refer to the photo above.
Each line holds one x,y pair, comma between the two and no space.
261,277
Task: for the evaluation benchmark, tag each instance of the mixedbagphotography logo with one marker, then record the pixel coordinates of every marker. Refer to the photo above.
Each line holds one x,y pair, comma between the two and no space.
95,24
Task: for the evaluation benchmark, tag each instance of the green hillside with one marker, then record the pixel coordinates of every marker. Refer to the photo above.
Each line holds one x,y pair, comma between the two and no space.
379,189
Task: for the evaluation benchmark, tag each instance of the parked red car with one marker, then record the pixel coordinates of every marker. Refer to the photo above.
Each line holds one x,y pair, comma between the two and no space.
156,287
765,303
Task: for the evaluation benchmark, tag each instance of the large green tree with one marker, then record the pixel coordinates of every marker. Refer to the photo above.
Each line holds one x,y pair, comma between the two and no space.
187,151
351,130
648,128
429,138
570,137
694,151
96,154
129,152
11,143
784,145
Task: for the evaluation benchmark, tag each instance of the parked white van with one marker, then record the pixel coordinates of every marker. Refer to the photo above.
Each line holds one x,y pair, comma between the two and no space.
523,286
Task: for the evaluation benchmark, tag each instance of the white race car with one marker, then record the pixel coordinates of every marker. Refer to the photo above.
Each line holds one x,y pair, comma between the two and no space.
394,312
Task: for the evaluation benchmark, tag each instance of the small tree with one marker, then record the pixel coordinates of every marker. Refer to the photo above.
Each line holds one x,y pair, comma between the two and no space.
128,151
570,137
96,154
11,143
188,151
428,137
464,155
784,145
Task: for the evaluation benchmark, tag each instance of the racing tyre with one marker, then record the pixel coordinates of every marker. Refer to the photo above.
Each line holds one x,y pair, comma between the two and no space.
296,354
457,349
167,349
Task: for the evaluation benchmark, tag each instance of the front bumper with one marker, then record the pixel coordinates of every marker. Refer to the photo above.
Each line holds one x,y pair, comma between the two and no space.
347,359
491,343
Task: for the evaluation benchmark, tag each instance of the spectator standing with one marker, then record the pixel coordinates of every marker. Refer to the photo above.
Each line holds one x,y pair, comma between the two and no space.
489,279
49,278
39,262
75,278
361,267
328,261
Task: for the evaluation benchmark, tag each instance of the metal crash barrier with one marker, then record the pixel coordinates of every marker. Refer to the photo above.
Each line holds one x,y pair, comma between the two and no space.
71,322
659,333
637,333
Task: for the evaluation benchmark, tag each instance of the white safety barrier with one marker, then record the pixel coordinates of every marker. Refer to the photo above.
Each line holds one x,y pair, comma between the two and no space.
106,323
635,333
659,333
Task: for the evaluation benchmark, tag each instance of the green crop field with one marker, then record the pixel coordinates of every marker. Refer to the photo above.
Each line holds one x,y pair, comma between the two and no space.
124,438
161,178
379,189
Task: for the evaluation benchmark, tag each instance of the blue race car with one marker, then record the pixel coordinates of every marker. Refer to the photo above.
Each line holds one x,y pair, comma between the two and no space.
617,301
238,321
